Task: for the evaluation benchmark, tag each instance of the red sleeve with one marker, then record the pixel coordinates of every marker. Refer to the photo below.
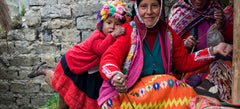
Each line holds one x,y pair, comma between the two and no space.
185,62
186,35
101,43
113,58
227,32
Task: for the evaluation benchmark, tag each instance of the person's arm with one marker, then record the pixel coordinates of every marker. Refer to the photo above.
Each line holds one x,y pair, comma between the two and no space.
185,62
225,26
113,58
100,44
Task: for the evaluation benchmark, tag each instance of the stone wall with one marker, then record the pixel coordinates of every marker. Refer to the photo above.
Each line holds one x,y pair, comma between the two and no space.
50,27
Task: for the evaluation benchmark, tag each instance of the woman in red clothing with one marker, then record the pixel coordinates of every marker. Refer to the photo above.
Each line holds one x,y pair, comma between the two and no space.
192,21
229,11
76,76
136,67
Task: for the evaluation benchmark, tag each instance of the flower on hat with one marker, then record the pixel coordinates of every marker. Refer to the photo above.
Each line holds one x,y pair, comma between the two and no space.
113,8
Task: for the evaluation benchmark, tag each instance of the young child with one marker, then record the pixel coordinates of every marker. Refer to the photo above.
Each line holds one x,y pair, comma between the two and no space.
76,77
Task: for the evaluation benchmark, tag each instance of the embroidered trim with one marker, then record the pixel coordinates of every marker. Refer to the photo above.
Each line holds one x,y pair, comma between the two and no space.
127,63
170,38
108,72
201,56
183,16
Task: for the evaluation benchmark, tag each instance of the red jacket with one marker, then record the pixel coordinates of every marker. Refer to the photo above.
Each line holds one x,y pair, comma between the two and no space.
114,57
85,55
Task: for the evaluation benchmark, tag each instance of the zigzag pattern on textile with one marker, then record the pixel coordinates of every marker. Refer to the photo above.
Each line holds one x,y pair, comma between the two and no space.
161,104
153,79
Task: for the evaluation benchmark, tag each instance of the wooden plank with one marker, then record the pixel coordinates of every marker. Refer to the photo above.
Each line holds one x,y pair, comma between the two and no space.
4,15
236,54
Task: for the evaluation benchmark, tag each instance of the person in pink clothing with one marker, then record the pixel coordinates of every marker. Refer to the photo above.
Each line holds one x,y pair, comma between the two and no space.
201,24
76,77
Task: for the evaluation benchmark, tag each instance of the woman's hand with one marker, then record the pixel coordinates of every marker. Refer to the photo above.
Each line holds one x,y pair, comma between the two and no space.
190,42
223,49
220,18
118,32
119,82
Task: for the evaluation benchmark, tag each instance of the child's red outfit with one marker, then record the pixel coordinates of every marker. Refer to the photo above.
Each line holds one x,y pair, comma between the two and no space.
87,54
76,77
71,78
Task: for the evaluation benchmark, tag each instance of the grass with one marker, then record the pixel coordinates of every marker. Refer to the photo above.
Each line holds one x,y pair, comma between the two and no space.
51,104
2,29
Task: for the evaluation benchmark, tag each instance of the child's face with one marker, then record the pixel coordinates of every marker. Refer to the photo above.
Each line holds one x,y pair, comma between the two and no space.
110,24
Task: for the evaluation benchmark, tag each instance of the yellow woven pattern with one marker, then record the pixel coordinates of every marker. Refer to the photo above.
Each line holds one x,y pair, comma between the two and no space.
153,79
161,104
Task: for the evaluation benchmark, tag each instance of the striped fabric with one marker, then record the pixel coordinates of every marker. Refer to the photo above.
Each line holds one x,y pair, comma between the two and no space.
221,75
205,102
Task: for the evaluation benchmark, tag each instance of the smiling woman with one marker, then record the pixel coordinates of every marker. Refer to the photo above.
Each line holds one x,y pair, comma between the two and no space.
149,11
4,15
136,68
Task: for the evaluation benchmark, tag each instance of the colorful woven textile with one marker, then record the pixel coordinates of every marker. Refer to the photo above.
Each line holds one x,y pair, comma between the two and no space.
115,8
221,75
183,16
155,91
205,102
229,13
130,55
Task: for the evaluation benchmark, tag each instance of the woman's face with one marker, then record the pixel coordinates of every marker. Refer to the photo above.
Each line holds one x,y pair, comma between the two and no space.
199,4
149,11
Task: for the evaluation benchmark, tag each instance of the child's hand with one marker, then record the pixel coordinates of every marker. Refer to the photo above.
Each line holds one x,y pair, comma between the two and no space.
119,82
118,32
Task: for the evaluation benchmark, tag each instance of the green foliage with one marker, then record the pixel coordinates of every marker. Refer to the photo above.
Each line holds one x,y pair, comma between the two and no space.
231,2
2,29
23,10
18,17
51,104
